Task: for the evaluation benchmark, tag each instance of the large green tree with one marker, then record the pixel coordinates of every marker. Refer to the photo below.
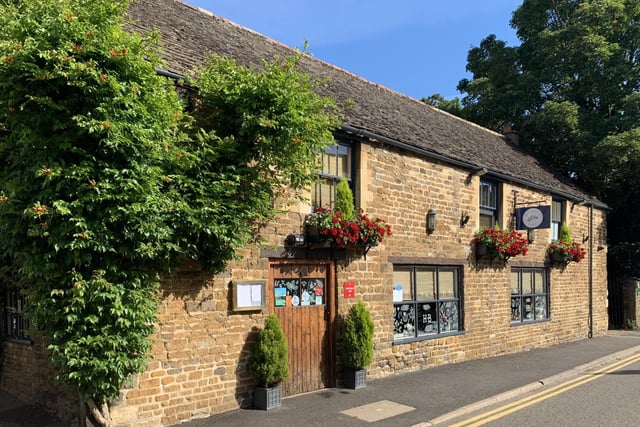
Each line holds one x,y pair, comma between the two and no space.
571,89
106,183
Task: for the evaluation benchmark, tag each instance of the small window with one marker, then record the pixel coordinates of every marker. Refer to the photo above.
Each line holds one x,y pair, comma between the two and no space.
488,204
426,302
557,217
529,295
13,322
337,163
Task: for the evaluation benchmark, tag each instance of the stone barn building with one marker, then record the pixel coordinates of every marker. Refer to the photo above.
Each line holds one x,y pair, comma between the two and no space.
434,298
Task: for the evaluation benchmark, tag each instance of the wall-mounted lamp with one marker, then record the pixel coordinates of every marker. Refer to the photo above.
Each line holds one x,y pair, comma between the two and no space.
431,221
464,219
295,240
531,235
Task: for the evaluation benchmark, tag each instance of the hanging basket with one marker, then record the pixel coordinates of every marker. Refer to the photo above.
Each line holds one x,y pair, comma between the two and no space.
312,234
557,258
482,249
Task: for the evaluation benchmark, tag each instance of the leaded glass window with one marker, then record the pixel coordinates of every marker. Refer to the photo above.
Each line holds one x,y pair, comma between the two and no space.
427,302
529,295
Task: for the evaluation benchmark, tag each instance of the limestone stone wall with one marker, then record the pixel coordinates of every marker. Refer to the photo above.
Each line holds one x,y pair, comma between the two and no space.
199,352
201,345
403,195
26,374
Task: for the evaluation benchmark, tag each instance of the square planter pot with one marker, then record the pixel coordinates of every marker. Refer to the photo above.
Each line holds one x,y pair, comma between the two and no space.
354,378
267,397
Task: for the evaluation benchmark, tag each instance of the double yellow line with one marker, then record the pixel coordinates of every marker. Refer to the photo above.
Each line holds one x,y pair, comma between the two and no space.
494,414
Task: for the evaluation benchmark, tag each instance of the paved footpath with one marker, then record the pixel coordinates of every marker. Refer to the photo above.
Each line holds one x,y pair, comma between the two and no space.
413,399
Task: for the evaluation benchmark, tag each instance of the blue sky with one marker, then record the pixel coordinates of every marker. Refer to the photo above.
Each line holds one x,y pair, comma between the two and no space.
416,47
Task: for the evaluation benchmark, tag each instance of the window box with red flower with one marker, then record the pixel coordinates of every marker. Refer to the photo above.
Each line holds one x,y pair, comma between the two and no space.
498,243
563,252
330,226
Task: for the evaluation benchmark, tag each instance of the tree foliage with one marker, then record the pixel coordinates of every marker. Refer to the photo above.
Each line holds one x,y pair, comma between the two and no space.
571,90
257,136
452,106
106,183
87,127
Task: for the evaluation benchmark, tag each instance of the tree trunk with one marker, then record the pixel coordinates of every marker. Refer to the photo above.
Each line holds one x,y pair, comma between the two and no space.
96,416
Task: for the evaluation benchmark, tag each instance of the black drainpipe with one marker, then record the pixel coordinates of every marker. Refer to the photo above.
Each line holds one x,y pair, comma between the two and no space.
590,270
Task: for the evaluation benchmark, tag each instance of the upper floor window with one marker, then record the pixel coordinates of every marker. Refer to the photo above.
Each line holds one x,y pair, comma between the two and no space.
488,204
426,302
557,217
13,322
337,163
529,294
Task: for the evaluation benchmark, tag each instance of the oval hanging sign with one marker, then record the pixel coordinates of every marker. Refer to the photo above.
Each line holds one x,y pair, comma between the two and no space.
533,217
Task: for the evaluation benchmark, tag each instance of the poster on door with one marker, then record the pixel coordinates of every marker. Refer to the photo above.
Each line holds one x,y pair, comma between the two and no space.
298,292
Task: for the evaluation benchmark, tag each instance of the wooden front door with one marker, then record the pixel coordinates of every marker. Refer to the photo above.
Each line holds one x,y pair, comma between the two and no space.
303,300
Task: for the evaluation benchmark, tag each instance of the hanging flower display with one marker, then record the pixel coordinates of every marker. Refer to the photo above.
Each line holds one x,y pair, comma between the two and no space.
500,243
331,226
561,251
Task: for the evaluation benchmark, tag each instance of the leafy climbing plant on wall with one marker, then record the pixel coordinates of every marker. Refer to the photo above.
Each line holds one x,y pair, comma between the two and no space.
106,183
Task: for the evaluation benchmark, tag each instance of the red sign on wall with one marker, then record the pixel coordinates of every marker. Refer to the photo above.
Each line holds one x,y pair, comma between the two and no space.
349,289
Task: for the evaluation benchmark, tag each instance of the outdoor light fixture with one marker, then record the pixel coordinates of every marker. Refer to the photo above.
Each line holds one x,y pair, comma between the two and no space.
531,235
431,221
295,240
464,219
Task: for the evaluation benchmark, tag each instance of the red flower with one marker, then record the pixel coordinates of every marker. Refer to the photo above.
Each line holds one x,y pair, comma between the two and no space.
343,232
568,251
502,243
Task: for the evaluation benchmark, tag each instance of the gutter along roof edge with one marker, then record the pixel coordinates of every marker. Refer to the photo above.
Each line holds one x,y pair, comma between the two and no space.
444,158
473,166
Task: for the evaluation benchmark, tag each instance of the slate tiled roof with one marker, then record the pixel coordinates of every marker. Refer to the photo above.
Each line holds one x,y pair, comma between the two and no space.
190,34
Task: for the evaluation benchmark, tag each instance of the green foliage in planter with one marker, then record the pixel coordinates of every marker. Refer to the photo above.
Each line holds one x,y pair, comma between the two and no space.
355,346
564,234
269,361
344,200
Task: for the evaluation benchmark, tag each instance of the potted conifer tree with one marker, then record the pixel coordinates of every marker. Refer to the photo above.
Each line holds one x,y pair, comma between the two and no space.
269,364
355,345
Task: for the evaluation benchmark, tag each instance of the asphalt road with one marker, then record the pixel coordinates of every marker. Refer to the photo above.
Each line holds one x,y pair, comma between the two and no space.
606,396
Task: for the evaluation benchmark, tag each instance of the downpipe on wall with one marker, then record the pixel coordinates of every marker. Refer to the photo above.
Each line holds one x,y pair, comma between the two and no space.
590,270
